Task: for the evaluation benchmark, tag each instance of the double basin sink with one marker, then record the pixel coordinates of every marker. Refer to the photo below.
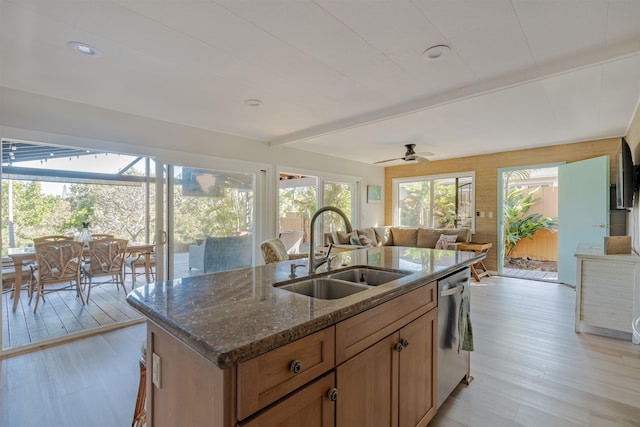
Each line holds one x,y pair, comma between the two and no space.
342,283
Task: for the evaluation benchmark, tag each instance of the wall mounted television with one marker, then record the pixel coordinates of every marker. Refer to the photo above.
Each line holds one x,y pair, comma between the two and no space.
626,178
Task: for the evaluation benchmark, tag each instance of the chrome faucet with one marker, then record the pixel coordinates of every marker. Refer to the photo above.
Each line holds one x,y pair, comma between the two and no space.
317,262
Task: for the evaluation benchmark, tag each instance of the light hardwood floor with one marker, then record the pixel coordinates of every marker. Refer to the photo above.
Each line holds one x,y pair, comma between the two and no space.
530,369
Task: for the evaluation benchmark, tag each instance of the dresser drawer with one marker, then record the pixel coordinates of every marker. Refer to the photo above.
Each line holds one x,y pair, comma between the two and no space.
272,375
365,329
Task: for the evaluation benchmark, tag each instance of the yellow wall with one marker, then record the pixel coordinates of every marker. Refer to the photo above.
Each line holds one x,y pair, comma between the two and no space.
486,168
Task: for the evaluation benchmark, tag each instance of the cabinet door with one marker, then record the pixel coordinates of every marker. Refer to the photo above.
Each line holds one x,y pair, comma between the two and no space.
417,371
309,407
368,387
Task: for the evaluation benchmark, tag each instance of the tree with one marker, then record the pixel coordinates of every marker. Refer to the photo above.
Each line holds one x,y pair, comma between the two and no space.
444,206
415,206
34,214
518,223
109,208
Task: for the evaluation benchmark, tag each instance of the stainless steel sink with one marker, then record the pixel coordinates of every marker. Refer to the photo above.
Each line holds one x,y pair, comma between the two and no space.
368,276
324,288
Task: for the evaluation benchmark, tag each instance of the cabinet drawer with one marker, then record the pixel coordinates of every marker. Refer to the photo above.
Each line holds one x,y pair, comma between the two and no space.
270,376
365,329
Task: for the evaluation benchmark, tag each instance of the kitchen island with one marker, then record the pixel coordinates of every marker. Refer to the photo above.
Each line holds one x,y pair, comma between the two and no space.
220,341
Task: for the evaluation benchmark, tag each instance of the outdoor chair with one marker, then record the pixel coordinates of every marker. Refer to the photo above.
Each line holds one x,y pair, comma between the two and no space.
58,263
140,263
221,253
106,258
102,236
52,238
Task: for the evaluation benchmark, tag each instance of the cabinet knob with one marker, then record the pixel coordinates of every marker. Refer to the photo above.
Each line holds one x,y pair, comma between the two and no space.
295,366
398,347
405,343
332,394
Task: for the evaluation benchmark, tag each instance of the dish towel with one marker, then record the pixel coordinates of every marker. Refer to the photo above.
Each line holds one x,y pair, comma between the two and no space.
464,323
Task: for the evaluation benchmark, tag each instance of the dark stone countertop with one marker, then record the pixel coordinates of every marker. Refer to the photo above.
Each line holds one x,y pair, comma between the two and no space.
235,315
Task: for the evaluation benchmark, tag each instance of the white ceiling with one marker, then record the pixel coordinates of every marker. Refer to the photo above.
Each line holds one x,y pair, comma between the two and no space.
342,77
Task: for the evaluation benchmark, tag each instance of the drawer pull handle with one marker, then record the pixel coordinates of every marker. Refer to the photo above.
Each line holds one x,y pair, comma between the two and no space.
398,347
295,366
332,394
405,343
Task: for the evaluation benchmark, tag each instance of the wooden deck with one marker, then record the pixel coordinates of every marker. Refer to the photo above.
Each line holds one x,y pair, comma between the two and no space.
64,315
544,276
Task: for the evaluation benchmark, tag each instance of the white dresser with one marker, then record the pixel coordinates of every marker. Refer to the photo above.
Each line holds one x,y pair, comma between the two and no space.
607,291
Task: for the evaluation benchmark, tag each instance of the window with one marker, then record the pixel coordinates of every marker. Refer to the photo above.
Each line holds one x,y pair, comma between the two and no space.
444,201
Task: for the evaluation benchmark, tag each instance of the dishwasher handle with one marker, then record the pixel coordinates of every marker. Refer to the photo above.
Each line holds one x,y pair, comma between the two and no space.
452,291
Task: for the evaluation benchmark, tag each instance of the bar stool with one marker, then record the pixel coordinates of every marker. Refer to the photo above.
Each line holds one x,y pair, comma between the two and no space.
140,412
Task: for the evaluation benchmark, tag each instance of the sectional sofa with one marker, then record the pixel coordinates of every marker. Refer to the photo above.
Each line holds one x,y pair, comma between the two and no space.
417,237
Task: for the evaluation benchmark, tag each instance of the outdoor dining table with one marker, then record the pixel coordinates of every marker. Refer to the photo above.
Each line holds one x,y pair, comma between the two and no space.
20,256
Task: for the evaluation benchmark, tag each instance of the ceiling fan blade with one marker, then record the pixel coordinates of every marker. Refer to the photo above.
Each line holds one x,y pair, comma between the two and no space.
423,160
424,154
388,160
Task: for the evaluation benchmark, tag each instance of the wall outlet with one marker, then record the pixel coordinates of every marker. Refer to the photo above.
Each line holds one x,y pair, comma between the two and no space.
155,370
491,214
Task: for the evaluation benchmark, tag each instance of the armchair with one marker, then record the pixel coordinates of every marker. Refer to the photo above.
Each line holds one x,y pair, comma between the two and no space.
221,253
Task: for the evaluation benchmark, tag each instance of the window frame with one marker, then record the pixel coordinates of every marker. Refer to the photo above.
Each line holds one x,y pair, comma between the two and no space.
395,185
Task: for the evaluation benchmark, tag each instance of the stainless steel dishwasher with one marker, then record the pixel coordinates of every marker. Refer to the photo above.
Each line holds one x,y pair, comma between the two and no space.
453,365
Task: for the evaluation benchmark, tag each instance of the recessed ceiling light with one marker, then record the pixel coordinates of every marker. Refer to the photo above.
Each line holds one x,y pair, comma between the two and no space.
253,102
83,48
435,52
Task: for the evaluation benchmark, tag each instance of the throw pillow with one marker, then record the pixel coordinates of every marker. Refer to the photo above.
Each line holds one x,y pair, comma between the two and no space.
444,241
365,241
383,236
428,237
405,236
370,233
353,240
344,237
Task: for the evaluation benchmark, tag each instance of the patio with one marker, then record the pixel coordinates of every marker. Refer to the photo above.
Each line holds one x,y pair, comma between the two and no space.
63,314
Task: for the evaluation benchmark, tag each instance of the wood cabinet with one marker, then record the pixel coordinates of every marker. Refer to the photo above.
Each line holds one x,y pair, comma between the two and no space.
376,368
270,376
417,371
605,290
192,390
392,382
309,407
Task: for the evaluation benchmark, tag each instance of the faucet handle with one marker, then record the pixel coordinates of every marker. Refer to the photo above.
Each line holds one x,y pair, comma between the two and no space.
329,259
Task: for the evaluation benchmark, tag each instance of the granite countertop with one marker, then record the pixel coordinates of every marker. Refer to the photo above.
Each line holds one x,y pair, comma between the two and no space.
235,315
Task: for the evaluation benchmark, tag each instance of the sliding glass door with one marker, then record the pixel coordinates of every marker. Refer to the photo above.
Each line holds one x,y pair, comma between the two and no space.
211,220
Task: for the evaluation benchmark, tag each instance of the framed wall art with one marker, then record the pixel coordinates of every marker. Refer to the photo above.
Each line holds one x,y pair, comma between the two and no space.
374,194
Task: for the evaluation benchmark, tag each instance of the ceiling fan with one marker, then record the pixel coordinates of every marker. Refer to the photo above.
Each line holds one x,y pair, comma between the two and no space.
410,155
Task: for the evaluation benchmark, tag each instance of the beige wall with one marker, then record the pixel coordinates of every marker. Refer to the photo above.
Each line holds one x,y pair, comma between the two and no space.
486,169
